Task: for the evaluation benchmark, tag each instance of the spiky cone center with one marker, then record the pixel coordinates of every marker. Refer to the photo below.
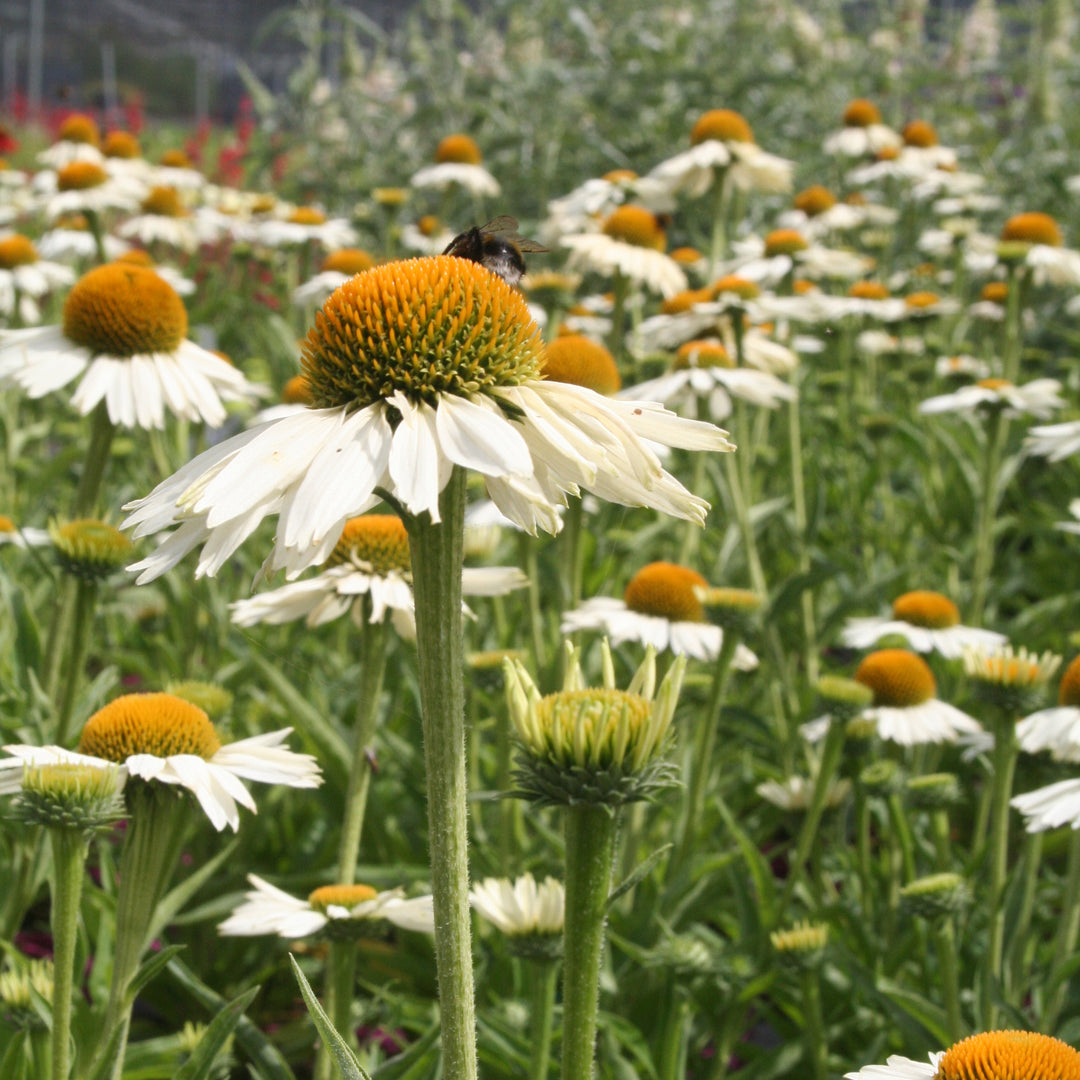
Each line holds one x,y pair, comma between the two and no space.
932,897
732,283
1009,1055
637,226
898,678
163,201
861,113
934,791
666,590
80,176
685,300
296,391
88,548
784,242
390,196
701,354
17,250
928,609
123,311
81,798
868,290
996,292
574,358
814,200
686,256
348,261
425,327
920,133
307,215
801,945
721,125
378,541
346,896
214,700
158,724
1032,228
79,128
121,144
458,149
920,301
1069,687
175,159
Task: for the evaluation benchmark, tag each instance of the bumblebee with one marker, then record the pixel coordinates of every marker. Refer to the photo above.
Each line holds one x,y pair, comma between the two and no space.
497,246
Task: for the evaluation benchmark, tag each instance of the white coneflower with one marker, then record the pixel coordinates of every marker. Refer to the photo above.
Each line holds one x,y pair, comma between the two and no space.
163,219
85,187
863,132
1038,398
521,908
457,163
302,225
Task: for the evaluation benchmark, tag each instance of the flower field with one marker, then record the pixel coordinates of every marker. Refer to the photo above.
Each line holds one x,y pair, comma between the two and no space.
546,548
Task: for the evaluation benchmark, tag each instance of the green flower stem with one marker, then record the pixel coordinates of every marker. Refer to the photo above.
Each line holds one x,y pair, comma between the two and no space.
997,430
340,980
672,1064
575,569
704,747
692,531
590,847
544,976
813,1028
718,240
151,852
436,565
798,498
97,458
93,219
1019,945
945,940
939,824
530,564
808,833
901,831
82,621
862,847
1068,928
69,855
746,526
620,287
372,669
1010,328
1005,754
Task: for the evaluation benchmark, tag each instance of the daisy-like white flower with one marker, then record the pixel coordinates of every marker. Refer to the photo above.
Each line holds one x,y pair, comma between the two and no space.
417,367
1037,238
928,621
336,269
25,537
305,224
72,241
660,607
457,163
863,132
1057,729
370,560
164,219
1053,441
631,243
961,366
925,304
521,908
163,739
23,270
428,236
1038,398
123,333
1071,526
599,197
990,1054
906,709
346,909
703,369
77,140
795,792
84,187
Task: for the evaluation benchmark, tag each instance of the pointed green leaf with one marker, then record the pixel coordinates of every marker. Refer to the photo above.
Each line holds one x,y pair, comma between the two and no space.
198,1066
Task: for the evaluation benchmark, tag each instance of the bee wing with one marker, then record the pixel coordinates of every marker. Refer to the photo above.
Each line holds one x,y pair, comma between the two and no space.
528,245
504,223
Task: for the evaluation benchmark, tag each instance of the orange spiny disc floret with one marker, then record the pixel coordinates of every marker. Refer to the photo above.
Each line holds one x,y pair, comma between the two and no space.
348,261
123,310
920,133
79,128
732,283
928,609
636,225
175,159
440,325
666,590
1069,687
687,256
897,677
80,176
376,540
861,113
918,301
307,215
620,176
784,242
723,125
803,287
346,896
995,291
458,150
428,225
158,724
297,391
164,201
1032,228
701,354
814,200
121,144
17,250
994,384
574,358
888,153
1009,1055
684,301
868,290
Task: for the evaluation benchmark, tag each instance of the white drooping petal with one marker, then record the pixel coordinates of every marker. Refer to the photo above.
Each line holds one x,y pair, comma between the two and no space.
476,435
417,469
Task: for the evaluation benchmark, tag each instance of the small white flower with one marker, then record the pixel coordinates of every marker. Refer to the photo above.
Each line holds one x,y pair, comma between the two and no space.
899,1068
332,234
1054,265
475,179
795,792
606,255
861,141
1054,441
268,910
949,641
521,907
1050,807
1056,730
1071,526
1038,398
77,245
962,365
